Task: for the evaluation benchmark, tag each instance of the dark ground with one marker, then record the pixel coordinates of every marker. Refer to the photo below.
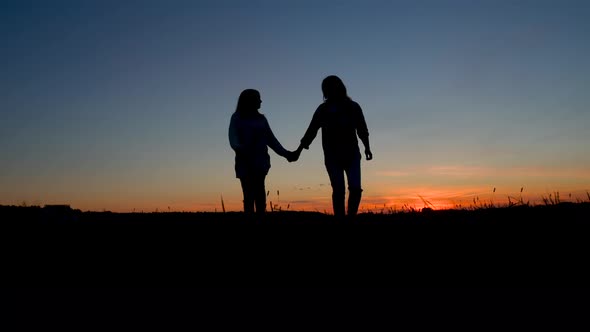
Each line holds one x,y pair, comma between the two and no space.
543,246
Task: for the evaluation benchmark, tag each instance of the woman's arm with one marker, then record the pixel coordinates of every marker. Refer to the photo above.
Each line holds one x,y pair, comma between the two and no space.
311,131
363,132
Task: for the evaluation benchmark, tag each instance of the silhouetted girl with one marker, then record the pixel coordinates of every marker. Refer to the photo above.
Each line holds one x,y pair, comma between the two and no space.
249,136
341,120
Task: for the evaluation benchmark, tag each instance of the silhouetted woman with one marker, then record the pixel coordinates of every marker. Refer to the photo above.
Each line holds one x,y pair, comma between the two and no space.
341,120
249,137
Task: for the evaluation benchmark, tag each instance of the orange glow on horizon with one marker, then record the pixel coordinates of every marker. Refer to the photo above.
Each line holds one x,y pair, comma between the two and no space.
402,199
438,188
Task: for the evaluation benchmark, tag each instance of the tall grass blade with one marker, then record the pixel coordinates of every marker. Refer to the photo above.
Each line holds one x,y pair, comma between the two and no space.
425,201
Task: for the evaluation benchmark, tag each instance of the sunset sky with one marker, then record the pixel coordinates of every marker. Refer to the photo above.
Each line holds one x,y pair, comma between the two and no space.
125,105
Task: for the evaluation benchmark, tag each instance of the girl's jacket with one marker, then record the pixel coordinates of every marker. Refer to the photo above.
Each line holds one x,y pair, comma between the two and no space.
250,136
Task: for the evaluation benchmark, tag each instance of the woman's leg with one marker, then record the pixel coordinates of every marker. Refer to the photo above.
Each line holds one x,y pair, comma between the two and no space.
353,174
260,194
247,190
336,174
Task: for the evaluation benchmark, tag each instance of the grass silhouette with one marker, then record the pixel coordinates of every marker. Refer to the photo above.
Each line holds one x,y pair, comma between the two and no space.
483,246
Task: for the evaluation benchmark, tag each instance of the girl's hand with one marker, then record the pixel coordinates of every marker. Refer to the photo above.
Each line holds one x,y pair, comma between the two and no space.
368,154
294,155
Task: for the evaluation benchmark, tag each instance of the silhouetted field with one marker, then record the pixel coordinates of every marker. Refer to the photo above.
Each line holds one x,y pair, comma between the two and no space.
523,246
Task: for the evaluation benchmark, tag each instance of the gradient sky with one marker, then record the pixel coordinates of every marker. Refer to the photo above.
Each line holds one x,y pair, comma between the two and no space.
124,105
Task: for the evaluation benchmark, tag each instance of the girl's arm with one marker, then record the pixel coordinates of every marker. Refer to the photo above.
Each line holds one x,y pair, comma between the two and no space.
274,143
234,140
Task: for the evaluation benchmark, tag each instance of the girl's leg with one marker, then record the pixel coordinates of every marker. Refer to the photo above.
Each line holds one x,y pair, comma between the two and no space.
248,194
260,194
336,174
353,174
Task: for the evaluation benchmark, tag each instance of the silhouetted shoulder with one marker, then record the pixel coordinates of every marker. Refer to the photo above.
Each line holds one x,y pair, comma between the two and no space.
354,105
260,117
322,107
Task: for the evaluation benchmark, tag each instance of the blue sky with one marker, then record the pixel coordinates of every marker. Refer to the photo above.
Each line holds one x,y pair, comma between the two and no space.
125,105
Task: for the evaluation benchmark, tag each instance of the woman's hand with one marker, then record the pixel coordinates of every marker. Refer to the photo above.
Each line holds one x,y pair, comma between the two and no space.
368,154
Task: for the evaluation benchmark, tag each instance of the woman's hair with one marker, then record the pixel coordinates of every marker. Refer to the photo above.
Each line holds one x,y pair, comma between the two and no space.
333,88
248,102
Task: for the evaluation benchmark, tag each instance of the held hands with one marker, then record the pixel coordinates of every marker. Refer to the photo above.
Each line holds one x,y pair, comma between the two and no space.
294,155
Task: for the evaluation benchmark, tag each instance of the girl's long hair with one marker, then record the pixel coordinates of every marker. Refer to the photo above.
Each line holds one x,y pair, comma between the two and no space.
248,102
333,89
